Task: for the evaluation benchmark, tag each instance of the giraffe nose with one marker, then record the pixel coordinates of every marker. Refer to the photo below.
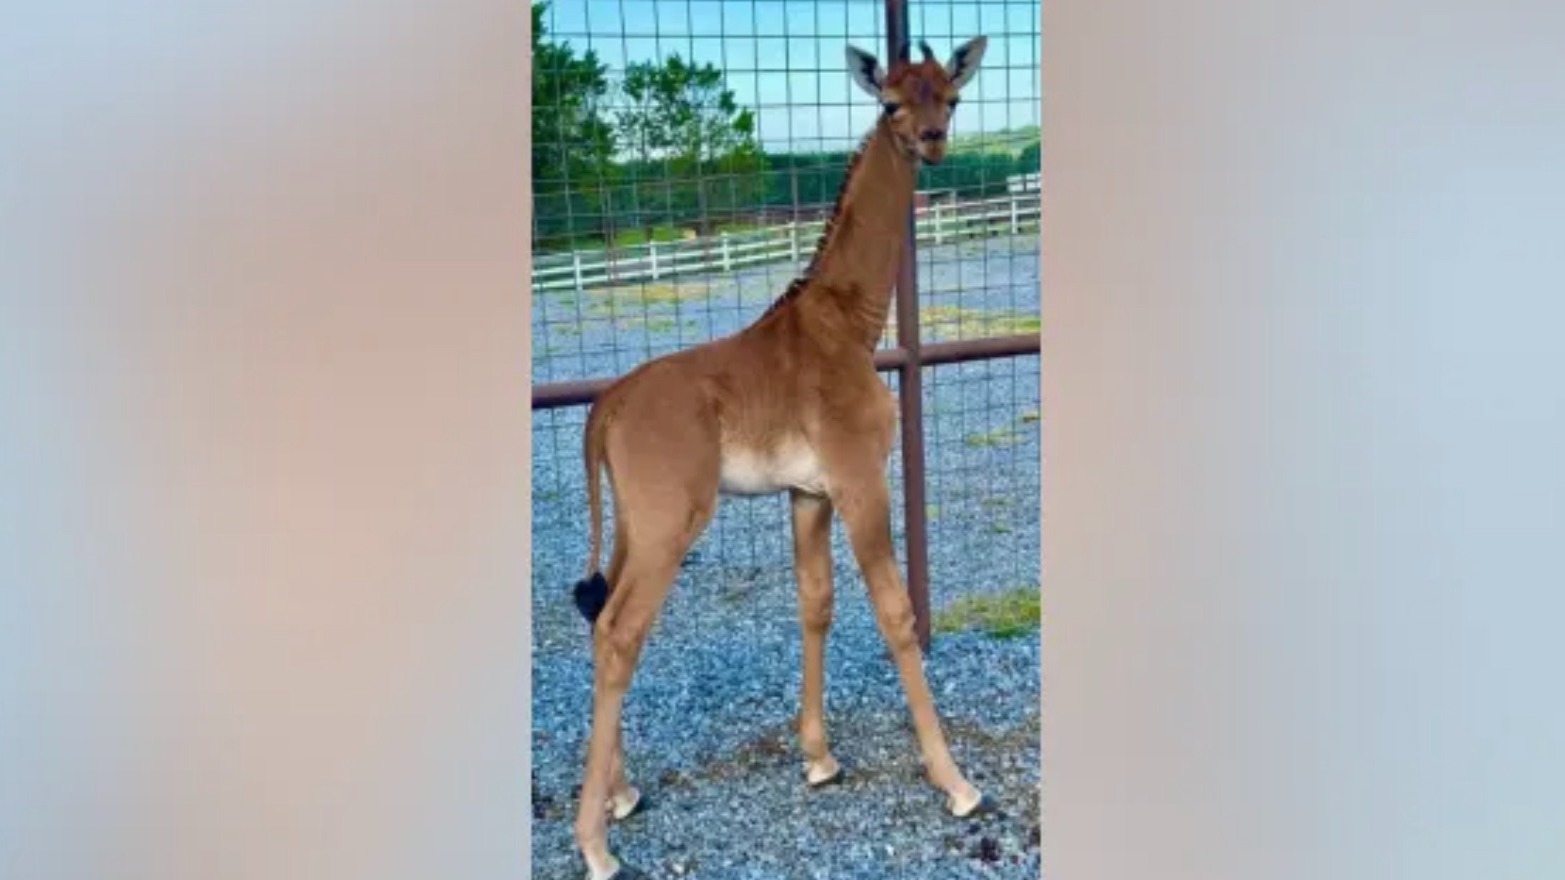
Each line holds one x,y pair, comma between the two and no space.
933,135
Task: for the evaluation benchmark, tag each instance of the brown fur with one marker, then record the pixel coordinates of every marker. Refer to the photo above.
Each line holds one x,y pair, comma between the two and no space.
790,403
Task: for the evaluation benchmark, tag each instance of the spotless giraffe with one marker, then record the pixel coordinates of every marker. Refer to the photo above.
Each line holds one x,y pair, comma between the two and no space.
790,403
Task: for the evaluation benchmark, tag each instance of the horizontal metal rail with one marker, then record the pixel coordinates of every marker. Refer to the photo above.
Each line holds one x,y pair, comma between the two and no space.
576,392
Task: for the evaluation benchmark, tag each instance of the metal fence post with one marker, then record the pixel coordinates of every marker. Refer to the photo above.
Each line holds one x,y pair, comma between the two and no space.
911,386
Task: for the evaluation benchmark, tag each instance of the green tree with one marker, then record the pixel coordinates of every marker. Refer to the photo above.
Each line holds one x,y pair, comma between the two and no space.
1029,160
680,114
573,142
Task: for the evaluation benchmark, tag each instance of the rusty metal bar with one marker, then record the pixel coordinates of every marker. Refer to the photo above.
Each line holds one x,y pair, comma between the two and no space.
578,392
575,392
910,388
987,348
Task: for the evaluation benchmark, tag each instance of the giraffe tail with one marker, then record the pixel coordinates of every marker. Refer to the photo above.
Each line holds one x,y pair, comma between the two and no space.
592,591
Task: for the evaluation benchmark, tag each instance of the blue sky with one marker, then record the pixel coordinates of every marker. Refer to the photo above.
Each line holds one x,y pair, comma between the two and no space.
784,58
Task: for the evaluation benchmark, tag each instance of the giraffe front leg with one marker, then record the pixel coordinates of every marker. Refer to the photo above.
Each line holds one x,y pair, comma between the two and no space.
865,509
625,800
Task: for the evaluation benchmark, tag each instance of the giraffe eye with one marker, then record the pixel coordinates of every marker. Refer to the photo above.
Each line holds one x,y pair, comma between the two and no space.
953,102
891,107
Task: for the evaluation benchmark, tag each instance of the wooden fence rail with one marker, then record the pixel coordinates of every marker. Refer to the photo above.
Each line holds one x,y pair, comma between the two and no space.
936,224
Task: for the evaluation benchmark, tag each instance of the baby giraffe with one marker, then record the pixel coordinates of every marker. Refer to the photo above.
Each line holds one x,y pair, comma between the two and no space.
790,403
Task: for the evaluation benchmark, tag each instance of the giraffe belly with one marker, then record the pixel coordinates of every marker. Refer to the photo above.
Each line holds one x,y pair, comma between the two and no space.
790,466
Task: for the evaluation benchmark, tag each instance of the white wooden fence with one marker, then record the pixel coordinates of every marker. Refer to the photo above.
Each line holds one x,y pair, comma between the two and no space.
937,224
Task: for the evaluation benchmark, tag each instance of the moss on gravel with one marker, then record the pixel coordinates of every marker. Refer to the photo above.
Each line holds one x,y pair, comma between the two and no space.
948,322
1001,436
656,293
1001,615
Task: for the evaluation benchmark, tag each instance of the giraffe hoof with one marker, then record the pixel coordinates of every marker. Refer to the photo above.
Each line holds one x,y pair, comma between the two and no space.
640,805
621,871
983,806
834,778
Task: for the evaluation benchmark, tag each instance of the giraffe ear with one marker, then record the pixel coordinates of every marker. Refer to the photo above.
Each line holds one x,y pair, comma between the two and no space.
964,61
865,70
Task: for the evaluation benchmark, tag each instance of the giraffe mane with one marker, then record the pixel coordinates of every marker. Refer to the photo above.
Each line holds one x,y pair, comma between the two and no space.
796,286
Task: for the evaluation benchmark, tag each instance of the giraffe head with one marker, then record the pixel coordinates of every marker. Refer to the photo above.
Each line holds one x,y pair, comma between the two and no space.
919,97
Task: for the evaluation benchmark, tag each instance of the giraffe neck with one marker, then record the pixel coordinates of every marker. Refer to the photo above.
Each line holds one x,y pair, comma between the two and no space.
855,263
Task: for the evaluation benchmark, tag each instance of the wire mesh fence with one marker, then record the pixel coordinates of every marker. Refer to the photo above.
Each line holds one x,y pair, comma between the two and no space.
686,154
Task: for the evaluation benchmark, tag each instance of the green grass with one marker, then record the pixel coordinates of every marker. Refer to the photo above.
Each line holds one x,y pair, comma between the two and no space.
1001,615
740,226
1001,436
622,238
650,323
629,237
567,245
630,297
636,320
960,322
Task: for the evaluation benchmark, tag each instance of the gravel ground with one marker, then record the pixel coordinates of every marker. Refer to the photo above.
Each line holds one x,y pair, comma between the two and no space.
708,720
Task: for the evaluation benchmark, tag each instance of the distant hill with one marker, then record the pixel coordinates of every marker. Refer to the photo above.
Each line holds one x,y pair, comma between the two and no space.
1010,141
